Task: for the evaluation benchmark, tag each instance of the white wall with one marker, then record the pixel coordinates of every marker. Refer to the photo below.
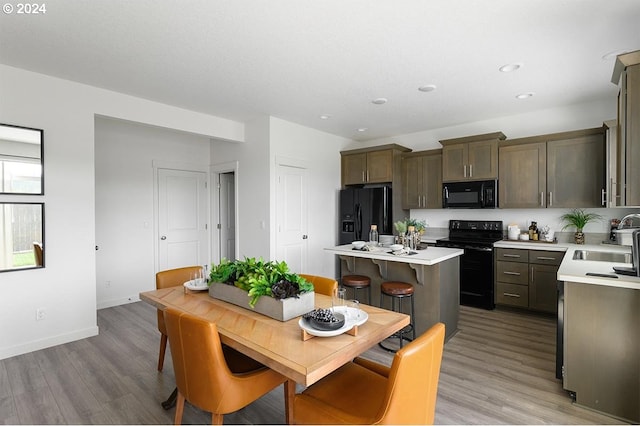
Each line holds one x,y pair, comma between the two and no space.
320,152
124,155
66,288
268,138
253,228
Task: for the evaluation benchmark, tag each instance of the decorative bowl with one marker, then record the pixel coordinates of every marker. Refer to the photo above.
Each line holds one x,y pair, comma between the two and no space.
358,244
396,247
324,325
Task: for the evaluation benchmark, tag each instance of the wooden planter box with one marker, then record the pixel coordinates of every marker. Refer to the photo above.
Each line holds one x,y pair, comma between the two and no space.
282,310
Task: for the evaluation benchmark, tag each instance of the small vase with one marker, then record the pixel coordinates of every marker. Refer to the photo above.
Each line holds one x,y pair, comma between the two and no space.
579,237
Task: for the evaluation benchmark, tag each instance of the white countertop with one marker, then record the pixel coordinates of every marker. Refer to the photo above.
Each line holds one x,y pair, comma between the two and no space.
530,245
429,256
576,270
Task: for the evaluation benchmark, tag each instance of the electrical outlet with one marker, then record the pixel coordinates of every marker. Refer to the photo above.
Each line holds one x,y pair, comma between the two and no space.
40,314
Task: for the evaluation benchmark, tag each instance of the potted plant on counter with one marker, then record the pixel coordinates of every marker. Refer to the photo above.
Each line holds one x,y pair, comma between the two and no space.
579,219
245,282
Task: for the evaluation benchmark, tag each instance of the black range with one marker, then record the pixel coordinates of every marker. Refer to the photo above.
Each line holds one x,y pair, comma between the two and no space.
476,237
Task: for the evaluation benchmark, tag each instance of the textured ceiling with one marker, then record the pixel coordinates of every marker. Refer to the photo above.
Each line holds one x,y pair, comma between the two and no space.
299,59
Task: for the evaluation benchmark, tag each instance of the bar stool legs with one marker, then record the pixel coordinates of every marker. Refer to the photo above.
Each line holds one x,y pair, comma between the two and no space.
398,291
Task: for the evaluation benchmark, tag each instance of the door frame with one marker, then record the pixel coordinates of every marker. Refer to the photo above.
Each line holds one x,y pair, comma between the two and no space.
174,165
214,194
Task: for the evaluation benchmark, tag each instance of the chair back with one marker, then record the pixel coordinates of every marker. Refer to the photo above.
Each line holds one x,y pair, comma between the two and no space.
172,278
322,285
413,380
198,360
37,252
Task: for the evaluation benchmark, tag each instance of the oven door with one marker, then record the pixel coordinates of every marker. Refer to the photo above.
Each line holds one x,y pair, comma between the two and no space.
476,278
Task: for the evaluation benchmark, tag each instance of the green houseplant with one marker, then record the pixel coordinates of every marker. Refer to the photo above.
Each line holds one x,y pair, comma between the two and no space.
579,218
260,278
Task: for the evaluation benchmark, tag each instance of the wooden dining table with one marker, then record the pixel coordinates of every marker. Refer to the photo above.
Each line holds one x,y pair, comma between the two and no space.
279,344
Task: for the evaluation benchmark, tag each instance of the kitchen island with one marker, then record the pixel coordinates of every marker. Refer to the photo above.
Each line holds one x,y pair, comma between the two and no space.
601,332
434,273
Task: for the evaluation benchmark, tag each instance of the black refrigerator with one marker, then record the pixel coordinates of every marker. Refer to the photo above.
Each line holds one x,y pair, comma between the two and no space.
362,207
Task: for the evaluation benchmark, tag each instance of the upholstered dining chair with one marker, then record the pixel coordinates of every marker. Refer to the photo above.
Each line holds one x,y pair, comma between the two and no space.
164,279
215,380
402,394
322,285
37,253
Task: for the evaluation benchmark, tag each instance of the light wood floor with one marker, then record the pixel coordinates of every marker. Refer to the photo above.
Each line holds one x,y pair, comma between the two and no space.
498,369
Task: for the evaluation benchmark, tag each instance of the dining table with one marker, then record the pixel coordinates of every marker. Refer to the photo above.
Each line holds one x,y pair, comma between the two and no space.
283,346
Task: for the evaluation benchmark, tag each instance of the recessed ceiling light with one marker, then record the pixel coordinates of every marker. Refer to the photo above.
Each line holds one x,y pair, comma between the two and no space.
362,129
325,117
427,88
509,67
379,101
525,95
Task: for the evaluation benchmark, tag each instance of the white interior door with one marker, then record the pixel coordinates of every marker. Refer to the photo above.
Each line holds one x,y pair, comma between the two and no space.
182,219
292,217
227,206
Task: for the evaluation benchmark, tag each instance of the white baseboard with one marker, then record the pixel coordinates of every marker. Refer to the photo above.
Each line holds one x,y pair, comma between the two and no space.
118,302
36,345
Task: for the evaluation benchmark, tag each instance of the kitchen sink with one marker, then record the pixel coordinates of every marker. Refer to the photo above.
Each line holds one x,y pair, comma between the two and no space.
602,256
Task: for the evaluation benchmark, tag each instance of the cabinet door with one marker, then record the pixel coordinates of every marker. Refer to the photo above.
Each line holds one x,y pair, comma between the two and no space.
575,172
379,166
543,288
632,135
522,179
454,162
412,182
483,160
354,168
432,181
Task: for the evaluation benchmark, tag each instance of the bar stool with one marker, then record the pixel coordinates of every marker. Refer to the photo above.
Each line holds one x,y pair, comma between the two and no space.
397,290
358,282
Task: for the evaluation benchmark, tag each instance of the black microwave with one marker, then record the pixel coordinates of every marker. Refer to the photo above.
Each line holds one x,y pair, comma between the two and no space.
479,194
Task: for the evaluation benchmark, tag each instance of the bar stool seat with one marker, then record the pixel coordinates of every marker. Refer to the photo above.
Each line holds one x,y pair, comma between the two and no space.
398,290
358,282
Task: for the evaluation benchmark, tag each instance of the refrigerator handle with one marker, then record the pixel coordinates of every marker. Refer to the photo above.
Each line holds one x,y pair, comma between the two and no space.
358,222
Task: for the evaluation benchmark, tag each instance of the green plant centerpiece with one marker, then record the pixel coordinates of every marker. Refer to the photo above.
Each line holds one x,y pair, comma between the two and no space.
579,218
260,278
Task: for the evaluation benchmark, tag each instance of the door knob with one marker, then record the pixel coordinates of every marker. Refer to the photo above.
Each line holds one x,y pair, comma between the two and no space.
304,237
163,237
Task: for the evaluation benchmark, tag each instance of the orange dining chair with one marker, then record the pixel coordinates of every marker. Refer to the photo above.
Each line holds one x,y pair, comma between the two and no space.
165,279
405,393
215,380
322,285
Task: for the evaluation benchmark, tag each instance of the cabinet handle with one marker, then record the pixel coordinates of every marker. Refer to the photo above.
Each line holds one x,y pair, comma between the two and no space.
470,170
363,176
367,175
545,258
550,199
517,256
542,199
419,200
533,275
465,170
511,273
424,201
603,201
511,295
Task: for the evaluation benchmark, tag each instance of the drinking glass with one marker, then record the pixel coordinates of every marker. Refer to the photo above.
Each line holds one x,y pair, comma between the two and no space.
338,298
354,310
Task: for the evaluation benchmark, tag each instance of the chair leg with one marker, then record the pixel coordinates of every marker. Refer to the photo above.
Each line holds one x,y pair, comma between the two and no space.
216,419
163,348
179,409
